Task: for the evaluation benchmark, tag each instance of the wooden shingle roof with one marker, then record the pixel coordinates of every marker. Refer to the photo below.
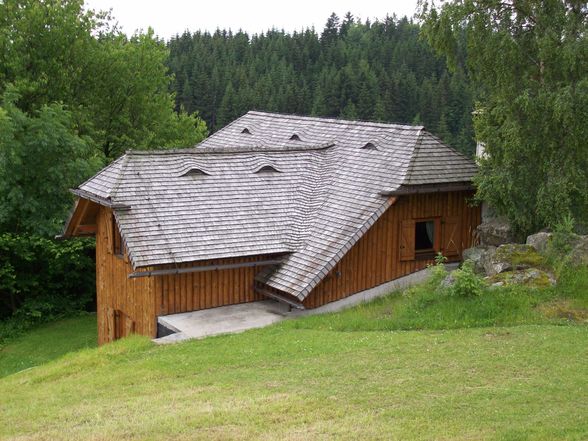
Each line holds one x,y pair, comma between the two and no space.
262,190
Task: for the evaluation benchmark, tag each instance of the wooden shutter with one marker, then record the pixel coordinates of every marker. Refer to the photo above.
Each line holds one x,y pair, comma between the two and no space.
451,236
407,232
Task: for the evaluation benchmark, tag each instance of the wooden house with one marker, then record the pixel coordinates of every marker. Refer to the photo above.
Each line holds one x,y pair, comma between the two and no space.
299,209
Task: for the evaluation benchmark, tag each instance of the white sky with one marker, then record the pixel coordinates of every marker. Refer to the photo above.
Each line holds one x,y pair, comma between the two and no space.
174,16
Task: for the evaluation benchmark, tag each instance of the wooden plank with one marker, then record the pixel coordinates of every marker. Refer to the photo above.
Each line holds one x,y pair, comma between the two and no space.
406,235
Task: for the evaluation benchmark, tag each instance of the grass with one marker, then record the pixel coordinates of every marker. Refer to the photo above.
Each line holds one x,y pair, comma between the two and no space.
414,366
48,342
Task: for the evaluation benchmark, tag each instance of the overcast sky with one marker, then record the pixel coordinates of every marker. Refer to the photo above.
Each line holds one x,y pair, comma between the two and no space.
174,16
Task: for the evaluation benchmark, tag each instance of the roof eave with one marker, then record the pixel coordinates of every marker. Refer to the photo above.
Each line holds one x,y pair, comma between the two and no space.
429,188
106,202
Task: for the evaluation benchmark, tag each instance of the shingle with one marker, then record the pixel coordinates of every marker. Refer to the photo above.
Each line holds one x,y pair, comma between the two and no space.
326,194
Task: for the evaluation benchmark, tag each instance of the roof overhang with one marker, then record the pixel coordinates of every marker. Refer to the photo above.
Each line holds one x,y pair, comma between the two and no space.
429,188
82,220
106,202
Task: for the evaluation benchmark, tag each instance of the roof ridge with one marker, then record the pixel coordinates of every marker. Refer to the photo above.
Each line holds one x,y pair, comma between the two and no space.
124,161
415,151
444,144
334,120
99,172
257,148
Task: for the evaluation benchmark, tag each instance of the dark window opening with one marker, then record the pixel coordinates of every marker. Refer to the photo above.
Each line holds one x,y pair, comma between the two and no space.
195,172
294,137
267,169
370,146
118,248
246,131
424,238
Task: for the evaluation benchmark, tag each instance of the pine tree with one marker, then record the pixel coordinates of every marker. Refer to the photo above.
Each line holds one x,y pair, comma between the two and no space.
349,111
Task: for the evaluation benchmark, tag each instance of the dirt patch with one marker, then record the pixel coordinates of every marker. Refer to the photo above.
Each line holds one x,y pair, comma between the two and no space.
564,309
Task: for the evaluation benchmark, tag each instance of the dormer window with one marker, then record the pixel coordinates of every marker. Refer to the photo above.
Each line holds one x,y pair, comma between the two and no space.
195,172
370,146
267,169
295,137
246,131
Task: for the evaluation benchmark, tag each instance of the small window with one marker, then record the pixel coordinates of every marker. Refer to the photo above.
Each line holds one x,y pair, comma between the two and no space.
118,248
195,172
267,169
370,146
424,237
246,131
295,137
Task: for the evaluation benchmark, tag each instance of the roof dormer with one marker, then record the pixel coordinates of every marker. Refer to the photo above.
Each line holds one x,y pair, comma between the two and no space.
194,172
267,169
370,146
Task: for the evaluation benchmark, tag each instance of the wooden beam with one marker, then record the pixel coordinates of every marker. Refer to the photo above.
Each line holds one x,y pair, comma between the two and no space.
279,298
196,269
85,229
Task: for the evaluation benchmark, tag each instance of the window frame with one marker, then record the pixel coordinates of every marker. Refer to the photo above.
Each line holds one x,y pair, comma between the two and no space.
118,246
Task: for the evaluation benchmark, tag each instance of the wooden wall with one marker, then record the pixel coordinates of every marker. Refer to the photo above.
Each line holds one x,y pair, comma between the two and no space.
124,305
132,305
176,293
376,257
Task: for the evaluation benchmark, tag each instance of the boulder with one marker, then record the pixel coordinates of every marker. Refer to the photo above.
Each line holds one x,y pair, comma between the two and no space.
448,281
476,255
510,257
539,241
530,277
495,232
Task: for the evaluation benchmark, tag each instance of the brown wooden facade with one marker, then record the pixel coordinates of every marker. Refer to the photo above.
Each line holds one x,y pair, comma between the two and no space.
386,252
131,305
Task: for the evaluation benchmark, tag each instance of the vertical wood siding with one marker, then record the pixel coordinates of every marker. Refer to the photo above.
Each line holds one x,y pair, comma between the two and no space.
132,305
175,293
124,305
376,258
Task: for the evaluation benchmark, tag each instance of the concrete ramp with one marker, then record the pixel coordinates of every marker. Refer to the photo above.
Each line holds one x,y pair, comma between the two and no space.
239,318
221,320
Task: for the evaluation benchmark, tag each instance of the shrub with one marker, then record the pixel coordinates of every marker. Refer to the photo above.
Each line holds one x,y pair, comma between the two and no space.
563,236
466,282
41,278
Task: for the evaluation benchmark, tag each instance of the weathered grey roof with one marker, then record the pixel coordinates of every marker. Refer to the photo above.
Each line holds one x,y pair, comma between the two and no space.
324,195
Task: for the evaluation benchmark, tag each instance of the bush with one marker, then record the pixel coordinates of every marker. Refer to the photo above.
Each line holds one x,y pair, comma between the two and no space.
466,282
41,278
563,236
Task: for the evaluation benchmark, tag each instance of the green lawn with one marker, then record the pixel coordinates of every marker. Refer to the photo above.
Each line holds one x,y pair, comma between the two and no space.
48,342
408,367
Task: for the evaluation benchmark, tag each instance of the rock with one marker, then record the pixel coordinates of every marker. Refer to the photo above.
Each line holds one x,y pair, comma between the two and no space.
510,257
476,255
539,241
579,254
447,281
530,277
495,232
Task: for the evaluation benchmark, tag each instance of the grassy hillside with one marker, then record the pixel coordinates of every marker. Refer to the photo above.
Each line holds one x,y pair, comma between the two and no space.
358,374
526,382
48,342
